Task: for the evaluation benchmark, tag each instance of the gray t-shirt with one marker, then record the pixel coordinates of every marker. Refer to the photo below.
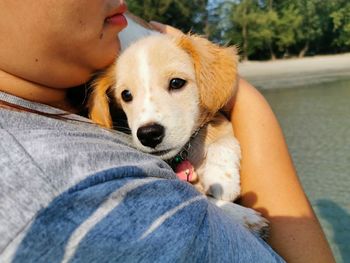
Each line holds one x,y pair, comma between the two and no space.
73,192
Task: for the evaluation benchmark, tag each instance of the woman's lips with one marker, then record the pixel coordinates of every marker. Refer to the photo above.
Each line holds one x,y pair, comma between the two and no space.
117,20
117,17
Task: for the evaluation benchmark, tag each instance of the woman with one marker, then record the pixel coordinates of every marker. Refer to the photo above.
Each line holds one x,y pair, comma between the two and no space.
71,191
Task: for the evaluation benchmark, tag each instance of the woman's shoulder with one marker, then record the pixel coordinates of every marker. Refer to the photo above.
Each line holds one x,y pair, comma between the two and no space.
68,145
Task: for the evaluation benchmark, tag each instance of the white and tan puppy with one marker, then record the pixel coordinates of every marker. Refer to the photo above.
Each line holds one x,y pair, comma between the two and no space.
171,90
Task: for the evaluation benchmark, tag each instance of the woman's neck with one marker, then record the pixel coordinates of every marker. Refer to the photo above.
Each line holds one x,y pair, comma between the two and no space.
32,91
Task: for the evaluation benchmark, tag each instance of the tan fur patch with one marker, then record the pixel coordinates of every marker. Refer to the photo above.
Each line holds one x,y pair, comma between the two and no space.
99,102
228,175
216,71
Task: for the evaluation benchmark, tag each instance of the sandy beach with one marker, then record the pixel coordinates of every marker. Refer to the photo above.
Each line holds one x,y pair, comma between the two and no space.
296,72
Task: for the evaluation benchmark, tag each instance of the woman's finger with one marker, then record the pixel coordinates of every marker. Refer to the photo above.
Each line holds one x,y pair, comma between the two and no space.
166,29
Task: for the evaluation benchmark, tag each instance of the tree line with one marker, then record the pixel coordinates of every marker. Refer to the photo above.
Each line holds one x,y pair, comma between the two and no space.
262,29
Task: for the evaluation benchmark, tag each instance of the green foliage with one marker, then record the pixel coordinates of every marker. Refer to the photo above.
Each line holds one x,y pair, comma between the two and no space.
341,22
185,15
261,28
288,27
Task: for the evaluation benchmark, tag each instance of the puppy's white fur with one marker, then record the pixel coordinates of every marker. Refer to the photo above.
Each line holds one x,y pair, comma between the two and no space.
145,69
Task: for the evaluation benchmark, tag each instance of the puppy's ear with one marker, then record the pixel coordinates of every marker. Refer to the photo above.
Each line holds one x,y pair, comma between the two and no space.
216,70
99,102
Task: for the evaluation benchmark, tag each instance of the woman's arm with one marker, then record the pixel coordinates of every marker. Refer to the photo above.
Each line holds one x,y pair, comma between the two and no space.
270,183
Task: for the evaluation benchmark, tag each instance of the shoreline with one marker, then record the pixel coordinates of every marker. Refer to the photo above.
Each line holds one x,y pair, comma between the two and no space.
294,72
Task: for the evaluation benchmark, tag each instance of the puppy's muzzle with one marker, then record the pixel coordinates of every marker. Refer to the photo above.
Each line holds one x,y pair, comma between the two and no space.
151,135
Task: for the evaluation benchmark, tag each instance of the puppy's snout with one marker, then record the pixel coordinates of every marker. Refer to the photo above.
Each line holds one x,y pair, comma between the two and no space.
151,135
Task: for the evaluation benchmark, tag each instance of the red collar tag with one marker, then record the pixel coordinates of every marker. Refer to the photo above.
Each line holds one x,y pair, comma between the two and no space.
185,171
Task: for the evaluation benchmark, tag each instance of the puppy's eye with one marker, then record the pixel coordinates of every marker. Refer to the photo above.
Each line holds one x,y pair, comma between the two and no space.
127,96
177,83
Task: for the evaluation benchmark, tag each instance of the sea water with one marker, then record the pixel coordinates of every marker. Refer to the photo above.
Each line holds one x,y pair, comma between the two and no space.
316,122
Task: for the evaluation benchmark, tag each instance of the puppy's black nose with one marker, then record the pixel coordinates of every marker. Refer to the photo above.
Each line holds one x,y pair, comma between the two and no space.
151,135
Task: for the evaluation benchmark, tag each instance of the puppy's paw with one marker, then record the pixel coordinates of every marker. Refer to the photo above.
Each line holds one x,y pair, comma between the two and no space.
247,217
256,223
222,190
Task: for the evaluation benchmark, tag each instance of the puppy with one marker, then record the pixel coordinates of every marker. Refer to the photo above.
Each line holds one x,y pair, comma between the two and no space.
171,90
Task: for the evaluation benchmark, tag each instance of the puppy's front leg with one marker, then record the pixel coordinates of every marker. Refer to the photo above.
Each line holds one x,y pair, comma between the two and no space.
221,178
216,157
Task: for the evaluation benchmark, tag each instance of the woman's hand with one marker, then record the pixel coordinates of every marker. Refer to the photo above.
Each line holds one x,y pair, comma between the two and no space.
166,29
